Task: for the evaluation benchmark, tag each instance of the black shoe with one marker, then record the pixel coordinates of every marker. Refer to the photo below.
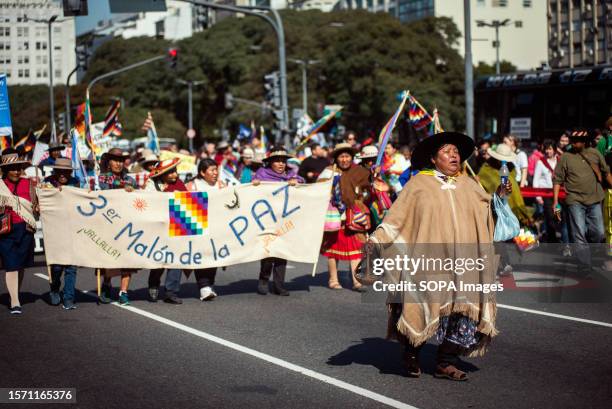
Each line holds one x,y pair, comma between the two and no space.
105,294
262,287
16,310
153,294
278,290
173,299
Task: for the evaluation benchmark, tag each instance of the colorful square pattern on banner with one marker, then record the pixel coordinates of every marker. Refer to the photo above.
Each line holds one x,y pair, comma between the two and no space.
188,214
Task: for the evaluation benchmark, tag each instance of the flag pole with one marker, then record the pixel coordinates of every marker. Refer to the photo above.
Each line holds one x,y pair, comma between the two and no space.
99,287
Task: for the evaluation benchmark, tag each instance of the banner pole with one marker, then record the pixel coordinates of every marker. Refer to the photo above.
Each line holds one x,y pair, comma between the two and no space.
314,268
99,288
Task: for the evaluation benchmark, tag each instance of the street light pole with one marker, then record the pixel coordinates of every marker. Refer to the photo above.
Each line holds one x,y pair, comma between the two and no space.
304,64
496,24
469,74
497,67
190,85
51,95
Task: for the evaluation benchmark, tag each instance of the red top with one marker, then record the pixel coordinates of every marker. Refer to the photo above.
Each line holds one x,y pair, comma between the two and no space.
23,190
178,186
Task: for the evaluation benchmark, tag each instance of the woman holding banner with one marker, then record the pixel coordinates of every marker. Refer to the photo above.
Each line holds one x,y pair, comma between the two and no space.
114,176
17,223
342,242
206,180
275,170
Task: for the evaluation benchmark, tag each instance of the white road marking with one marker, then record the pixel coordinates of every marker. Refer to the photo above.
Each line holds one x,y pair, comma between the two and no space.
260,355
550,314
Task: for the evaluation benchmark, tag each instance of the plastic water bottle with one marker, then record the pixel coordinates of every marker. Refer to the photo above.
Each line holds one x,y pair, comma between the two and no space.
504,173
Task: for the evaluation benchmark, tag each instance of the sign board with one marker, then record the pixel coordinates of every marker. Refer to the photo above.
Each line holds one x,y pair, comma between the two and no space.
136,6
6,128
191,133
520,127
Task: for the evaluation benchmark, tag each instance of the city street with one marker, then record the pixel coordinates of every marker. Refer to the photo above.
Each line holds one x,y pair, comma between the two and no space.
316,348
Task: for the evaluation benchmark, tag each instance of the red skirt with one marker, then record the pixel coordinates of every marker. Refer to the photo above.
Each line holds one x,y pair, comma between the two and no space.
343,244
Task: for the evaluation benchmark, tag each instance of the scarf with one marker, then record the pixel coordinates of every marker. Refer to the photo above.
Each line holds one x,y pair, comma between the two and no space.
268,175
18,204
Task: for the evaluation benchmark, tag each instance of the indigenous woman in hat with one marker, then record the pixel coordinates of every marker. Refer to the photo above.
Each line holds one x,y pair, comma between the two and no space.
275,170
445,213
18,205
378,197
55,152
246,167
206,180
115,176
343,244
62,176
164,178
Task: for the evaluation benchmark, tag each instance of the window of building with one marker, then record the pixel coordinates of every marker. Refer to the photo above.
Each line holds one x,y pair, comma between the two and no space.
5,32
518,24
20,73
58,73
40,31
38,73
57,30
500,3
44,73
26,73
526,3
8,73
23,45
41,45
481,3
44,59
57,46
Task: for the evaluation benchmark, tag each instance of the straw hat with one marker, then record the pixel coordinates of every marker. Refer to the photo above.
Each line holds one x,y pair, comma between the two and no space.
116,153
63,163
502,152
343,147
164,166
427,148
277,152
368,152
148,158
9,159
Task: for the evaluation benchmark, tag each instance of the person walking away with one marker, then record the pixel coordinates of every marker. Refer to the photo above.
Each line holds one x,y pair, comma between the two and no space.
275,170
62,176
18,207
312,166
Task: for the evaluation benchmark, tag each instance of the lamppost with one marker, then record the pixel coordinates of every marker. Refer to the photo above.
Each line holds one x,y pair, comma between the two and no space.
190,85
496,24
50,45
304,64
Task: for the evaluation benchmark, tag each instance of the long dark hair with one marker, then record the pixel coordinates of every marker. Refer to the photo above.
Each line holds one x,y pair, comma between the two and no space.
204,165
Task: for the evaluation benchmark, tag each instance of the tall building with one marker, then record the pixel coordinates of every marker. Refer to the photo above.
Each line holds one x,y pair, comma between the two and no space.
579,32
24,43
522,41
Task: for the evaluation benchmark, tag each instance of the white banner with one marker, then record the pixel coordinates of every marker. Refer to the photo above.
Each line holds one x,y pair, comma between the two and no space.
119,229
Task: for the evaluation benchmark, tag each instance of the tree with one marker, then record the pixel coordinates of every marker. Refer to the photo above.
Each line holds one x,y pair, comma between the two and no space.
365,59
483,69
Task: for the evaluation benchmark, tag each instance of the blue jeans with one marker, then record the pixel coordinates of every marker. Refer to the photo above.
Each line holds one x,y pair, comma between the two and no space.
586,226
69,280
172,283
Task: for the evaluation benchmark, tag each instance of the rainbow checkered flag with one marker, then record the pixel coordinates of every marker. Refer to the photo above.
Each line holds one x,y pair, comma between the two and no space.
417,115
188,214
435,126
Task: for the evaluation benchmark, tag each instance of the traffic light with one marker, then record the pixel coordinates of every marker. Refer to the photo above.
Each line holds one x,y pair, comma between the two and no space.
82,56
173,57
278,121
272,87
61,121
229,101
202,17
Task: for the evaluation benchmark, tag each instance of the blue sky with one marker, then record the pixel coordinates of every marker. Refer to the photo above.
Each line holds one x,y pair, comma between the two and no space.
98,10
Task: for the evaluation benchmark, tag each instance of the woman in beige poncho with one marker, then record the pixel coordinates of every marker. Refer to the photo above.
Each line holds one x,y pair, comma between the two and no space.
442,214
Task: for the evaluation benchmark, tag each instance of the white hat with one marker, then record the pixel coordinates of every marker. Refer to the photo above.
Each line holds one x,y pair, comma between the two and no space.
248,153
367,152
502,152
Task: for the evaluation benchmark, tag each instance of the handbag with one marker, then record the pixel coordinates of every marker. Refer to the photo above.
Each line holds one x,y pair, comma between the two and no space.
358,217
332,219
6,223
507,225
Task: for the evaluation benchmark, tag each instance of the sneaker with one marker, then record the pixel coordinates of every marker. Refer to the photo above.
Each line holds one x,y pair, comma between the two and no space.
69,305
506,271
54,298
207,293
567,251
123,298
105,294
16,310
173,299
153,294
262,287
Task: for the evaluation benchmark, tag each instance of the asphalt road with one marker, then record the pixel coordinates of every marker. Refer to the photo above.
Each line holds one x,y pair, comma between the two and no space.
315,348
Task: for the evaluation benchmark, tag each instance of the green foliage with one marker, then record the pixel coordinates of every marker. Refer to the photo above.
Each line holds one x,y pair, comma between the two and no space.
365,60
483,69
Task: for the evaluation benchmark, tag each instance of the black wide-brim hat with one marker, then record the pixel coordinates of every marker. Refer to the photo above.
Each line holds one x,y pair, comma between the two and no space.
427,148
